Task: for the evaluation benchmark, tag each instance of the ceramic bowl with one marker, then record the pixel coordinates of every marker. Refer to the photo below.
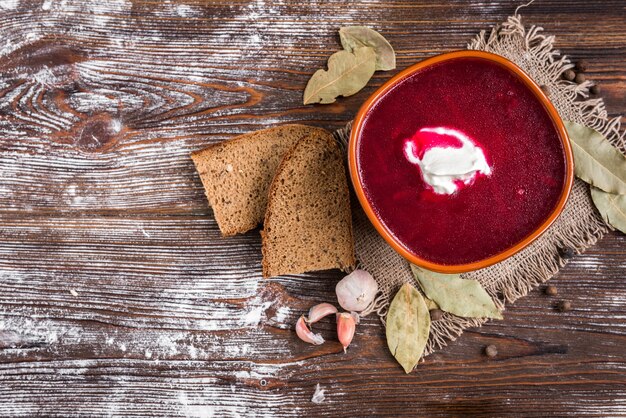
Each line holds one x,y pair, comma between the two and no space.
382,229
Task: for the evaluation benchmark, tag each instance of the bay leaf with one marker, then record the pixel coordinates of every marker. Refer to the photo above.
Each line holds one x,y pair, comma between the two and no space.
596,161
408,326
455,295
348,72
353,37
430,304
612,207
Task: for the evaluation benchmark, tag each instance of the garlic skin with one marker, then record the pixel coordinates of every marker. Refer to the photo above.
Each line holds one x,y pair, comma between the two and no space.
356,291
320,311
346,325
306,335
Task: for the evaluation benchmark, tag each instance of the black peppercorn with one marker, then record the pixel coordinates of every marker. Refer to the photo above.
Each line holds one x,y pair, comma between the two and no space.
436,314
550,290
564,305
566,253
569,75
491,351
580,78
594,89
582,65
545,89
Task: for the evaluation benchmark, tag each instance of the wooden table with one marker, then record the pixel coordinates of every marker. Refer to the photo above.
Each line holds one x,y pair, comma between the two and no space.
119,297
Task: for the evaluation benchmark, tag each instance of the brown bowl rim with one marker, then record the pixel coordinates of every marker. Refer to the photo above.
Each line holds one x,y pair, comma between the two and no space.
381,228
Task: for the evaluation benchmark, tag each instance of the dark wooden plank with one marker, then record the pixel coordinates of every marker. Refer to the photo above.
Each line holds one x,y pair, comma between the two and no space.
159,310
95,109
119,297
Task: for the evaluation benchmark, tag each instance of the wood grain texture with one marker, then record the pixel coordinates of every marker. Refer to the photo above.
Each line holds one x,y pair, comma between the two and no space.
118,297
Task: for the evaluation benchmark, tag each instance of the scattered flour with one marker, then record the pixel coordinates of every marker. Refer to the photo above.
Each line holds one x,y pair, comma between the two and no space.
194,410
169,343
193,351
318,396
185,10
238,350
9,4
32,332
45,77
242,374
116,126
282,313
253,317
255,39
73,199
32,37
7,48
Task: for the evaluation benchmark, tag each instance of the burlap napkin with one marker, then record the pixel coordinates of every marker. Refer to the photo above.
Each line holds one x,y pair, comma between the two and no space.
578,227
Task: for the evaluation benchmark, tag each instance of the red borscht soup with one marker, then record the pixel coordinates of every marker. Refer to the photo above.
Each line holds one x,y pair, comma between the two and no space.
460,161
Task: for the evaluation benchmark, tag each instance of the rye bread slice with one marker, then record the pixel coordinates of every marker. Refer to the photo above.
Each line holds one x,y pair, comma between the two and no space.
236,174
308,223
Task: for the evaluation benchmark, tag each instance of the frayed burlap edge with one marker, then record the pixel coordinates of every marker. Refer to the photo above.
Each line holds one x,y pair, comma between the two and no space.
578,227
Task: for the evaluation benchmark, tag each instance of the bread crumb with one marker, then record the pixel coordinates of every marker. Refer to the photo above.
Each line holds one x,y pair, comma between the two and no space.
73,292
229,168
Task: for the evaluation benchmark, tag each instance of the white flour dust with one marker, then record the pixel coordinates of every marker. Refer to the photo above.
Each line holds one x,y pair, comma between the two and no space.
318,395
28,333
45,77
282,313
9,4
252,317
185,10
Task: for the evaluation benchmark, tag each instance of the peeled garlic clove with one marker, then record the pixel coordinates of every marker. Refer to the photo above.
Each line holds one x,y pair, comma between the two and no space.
346,325
320,311
306,334
356,291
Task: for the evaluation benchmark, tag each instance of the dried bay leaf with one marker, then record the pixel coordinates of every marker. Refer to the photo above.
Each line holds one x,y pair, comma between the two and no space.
408,326
461,297
430,304
353,37
612,207
348,72
596,161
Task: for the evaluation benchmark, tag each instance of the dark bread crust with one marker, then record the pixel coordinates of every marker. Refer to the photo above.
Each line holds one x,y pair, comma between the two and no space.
308,222
236,174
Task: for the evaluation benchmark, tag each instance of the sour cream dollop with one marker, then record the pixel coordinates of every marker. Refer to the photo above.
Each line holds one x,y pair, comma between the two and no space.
448,159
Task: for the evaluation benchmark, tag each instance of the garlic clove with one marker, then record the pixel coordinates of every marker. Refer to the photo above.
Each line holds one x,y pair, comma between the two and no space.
320,311
346,325
356,291
306,335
